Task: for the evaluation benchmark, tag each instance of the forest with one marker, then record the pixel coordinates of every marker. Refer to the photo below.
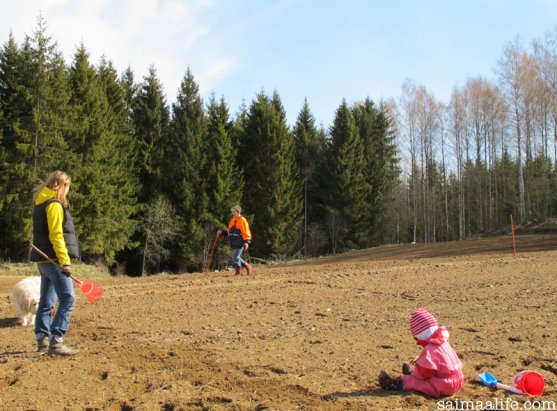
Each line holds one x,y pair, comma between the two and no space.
152,181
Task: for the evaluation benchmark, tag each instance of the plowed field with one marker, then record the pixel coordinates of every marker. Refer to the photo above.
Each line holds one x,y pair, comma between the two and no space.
308,335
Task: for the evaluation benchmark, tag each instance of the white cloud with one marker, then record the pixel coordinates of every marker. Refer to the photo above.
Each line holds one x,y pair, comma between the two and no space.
136,33
215,73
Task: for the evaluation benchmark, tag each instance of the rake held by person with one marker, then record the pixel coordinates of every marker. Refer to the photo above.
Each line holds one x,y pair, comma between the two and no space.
93,292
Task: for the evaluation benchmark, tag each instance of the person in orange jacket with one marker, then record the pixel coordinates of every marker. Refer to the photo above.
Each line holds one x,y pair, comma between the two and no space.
239,236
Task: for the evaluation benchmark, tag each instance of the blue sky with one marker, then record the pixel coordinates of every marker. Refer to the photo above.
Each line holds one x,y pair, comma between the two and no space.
320,50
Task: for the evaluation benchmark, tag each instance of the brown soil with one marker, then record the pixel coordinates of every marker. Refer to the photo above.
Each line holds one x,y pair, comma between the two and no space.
310,335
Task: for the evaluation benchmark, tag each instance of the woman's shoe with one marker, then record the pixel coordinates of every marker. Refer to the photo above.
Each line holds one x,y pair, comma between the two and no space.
58,348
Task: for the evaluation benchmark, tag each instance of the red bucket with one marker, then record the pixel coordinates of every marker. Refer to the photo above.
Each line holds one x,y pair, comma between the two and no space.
529,382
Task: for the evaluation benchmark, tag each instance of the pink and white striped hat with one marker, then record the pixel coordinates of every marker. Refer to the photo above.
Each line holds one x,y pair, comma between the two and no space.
421,320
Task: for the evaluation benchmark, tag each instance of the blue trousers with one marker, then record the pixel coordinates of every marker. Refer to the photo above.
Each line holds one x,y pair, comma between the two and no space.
237,257
54,284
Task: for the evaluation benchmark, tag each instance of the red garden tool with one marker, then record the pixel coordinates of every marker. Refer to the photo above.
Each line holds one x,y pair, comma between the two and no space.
92,292
217,235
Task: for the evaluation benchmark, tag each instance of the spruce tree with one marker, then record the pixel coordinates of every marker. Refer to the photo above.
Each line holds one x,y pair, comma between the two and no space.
321,184
118,102
13,103
120,174
380,160
104,196
239,128
386,161
130,90
150,119
271,194
34,102
50,95
89,128
224,181
348,199
309,146
184,162
507,170
146,107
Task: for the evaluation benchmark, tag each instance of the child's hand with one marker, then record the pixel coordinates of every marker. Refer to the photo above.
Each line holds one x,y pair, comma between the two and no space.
413,361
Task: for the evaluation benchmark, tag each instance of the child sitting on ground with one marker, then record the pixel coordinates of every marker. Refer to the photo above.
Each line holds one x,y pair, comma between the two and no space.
438,370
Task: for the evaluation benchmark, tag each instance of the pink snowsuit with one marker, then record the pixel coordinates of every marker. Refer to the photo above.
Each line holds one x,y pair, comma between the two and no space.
439,358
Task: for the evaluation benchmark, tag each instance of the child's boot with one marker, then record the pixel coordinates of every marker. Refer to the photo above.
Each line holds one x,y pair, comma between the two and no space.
238,272
388,383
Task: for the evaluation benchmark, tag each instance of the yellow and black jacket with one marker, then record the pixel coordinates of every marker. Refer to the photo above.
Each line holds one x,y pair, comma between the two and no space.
53,229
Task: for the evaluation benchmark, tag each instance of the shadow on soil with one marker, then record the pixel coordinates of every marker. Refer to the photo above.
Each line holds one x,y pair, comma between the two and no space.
9,322
371,392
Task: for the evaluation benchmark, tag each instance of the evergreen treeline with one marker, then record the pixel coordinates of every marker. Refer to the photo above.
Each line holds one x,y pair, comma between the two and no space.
153,182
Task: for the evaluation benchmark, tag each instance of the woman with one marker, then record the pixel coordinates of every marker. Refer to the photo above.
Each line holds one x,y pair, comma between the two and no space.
54,234
239,236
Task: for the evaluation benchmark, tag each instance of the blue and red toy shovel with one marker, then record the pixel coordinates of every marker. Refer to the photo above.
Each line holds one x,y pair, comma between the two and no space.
526,383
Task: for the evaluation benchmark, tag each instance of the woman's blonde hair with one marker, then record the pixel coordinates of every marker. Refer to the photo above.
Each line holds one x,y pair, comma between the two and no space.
57,182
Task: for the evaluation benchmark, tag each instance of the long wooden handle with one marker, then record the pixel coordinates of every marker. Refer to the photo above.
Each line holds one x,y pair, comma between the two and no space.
217,235
50,260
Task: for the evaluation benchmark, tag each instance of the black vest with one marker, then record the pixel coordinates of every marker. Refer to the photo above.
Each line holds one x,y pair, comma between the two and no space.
40,233
235,237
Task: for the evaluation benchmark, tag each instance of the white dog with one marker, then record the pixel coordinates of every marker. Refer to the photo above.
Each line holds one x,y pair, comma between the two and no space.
27,293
